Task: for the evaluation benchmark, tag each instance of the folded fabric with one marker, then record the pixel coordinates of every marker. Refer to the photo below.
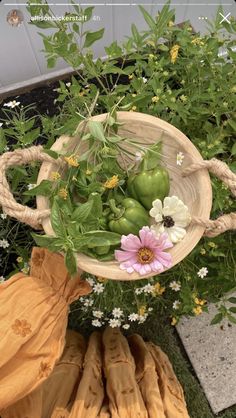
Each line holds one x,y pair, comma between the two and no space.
33,321
120,378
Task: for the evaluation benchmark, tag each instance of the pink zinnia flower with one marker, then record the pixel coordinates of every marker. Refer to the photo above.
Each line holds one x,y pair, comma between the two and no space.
145,253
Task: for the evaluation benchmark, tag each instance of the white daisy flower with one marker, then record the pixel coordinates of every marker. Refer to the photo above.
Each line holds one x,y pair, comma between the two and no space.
88,302
117,312
98,314
144,80
114,323
139,155
176,286
3,215
96,323
31,186
68,84
4,243
133,317
12,104
179,158
98,288
176,304
2,279
202,272
90,281
142,318
138,291
126,326
172,217
149,288
1,124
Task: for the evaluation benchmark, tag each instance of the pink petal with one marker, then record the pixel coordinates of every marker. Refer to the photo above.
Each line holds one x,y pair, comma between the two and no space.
147,238
130,242
123,255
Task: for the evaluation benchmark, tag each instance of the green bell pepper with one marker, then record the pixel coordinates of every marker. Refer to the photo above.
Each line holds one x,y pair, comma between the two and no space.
128,217
151,182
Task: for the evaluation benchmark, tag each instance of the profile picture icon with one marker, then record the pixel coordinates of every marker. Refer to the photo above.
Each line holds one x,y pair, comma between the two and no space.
15,17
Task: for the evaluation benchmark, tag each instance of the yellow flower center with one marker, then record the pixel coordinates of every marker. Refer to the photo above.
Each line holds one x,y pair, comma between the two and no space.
72,161
63,193
145,255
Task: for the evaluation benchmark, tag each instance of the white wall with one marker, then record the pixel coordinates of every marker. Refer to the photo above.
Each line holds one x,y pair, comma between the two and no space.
21,59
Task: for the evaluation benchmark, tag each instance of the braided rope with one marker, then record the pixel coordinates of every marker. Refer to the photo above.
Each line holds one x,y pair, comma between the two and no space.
222,171
32,217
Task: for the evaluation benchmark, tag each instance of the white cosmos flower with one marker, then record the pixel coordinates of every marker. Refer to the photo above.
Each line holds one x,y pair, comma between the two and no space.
202,272
98,288
117,312
4,243
176,286
172,217
98,314
133,317
114,323
176,304
12,104
90,280
96,323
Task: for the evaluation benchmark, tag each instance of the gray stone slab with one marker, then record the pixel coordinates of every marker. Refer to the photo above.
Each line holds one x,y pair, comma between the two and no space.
212,352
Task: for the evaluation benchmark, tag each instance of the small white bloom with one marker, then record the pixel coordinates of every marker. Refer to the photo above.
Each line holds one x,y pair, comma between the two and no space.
4,243
149,288
68,84
1,124
114,323
142,318
57,90
3,215
31,186
139,155
176,304
117,312
90,281
96,323
12,104
176,286
98,314
144,80
138,291
88,302
98,288
150,309
179,158
2,279
133,317
202,272
126,326
172,217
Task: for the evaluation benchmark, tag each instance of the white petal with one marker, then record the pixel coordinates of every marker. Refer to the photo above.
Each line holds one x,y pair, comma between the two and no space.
158,229
176,234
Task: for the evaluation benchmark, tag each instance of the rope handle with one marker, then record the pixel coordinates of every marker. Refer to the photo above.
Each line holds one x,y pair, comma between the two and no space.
222,172
32,217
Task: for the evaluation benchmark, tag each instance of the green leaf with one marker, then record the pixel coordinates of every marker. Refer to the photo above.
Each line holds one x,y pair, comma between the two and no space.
233,309
43,189
148,18
217,318
3,141
81,213
231,318
46,241
232,300
70,262
101,238
232,123
30,136
57,220
51,62
233,149
92,37
88,13
51,153
96,204
96,129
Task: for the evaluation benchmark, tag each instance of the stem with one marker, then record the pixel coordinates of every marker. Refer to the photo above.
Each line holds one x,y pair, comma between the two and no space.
114,208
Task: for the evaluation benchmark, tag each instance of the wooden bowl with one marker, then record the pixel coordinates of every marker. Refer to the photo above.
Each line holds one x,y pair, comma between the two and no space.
195,190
